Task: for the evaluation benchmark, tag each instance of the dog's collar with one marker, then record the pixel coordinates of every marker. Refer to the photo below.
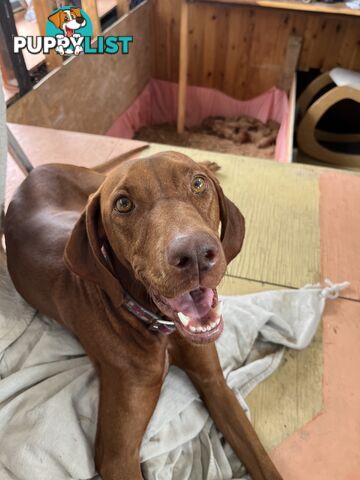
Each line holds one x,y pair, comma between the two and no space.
155,323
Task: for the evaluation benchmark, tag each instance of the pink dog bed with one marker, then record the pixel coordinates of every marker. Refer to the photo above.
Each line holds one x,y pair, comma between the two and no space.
157,104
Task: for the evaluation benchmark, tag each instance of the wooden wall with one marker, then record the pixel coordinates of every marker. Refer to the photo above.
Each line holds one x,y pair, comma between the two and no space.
240,49
89,92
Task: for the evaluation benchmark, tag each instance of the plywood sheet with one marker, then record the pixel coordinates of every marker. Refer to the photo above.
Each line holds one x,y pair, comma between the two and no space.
281,207
89,92
228,49
340,230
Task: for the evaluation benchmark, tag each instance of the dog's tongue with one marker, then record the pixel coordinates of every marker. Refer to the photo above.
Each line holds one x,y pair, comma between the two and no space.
69,32
195,304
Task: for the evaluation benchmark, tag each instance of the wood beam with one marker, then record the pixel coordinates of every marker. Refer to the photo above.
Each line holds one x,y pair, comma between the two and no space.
122,7
90,7
43,8
291,61
183,65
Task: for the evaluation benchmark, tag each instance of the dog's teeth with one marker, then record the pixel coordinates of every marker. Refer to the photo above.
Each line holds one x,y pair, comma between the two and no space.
213,324
208,328
184,319
217,321
193,329
218,308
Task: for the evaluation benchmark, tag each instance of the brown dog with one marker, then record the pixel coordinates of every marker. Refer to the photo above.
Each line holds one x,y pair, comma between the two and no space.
123,260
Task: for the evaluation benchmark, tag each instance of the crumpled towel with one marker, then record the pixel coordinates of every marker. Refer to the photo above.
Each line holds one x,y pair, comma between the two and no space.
49,391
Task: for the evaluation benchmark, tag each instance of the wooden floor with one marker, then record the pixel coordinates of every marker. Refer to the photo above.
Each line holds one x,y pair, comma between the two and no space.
302,225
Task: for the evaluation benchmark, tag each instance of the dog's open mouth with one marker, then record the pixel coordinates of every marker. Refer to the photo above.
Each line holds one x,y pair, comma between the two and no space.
69,31
197,314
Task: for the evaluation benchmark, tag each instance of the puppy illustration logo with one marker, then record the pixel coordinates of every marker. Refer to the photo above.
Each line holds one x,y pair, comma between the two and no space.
69,25
69,31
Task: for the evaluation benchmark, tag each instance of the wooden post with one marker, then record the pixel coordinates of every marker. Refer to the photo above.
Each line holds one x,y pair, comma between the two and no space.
183,65
3,159
43,8
291,60
90,7
122,7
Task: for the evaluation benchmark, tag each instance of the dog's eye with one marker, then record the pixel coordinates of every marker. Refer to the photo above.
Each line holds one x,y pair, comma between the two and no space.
124,205
198,185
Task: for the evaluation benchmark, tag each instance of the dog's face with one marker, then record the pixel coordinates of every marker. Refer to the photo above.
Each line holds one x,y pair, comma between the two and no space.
68,20
161,216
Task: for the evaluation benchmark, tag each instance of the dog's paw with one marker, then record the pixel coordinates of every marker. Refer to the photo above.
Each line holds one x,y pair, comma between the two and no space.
60,50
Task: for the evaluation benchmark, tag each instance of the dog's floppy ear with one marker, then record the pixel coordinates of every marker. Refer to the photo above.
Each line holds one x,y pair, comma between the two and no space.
55,18
76,11
232,223
84,253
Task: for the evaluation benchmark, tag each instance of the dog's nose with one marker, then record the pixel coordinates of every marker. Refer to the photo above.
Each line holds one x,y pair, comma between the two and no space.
79,19
197,252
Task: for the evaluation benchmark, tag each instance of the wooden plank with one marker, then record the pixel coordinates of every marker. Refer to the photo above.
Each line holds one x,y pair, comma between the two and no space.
122,7
196,42
261,65
173,55
221,36
172,66
291,121
183,65
280,203
90,7
99,104
3,153
340,230
346,52
43,8
209,58
253,61
292,396
291,60
236,53
315,7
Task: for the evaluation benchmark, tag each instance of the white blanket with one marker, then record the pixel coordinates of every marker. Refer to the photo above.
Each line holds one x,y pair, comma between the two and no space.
49,391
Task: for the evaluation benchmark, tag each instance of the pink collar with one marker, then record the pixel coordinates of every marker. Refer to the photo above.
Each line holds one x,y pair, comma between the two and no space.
155,323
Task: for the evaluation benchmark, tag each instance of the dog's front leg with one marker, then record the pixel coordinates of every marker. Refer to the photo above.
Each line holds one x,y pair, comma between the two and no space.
202,365
126,405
